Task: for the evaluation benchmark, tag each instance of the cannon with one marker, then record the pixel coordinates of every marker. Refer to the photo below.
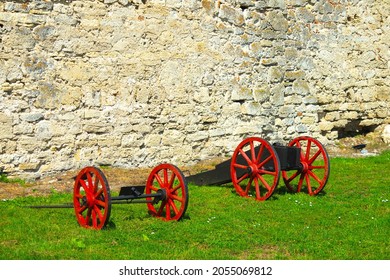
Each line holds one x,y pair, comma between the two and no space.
254,170
165,194
256,167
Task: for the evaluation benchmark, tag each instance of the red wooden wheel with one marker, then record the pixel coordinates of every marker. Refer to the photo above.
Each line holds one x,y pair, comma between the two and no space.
313,175
255,168
169,181
92,198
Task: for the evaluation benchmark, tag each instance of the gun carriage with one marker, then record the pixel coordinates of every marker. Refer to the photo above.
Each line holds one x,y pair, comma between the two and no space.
256,167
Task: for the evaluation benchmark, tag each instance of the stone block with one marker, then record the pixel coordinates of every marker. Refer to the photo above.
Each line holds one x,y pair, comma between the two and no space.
6,130
251,108
230,14
275,74
96,127
286,111
29,166
294,75
277,21
240,93
301,87
386,134
309,120
30,144
197,136
31,117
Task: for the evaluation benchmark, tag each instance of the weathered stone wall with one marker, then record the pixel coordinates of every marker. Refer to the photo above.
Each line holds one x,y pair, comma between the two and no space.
138,82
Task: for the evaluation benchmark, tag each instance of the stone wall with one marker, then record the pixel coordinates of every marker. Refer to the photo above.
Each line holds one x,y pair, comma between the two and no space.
133,83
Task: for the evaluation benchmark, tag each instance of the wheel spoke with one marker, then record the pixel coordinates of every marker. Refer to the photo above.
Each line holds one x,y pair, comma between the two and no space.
293,176
309,189
90,184
273,173
158,178
88,216
98,212
98,193
258,159
173,206
308,150
257,188
165,172
317,167
314,157
167,211
94,219
84,185
264,162
96,183
312,174
172,180
78,195
101,203
240,166
153,188
264,183
178,198
161,209
174,189
300,183
248,186
82,209
245,156
243,177
252,148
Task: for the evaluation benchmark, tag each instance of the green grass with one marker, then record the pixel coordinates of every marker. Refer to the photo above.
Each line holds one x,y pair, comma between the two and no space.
5,179
349,220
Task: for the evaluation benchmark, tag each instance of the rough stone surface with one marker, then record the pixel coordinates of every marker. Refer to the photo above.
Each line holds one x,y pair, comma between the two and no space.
133,83
386,134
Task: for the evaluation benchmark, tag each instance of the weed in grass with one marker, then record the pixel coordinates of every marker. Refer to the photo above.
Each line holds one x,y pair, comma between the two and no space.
5,179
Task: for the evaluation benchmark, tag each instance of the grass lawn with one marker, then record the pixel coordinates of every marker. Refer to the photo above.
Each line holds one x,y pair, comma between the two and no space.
349,220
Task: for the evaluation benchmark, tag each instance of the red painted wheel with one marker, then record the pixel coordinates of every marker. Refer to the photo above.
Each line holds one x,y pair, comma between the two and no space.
92,198
255,168
169,181
313,175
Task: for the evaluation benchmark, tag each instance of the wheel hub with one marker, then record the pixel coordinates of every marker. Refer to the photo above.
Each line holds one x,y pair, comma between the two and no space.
305,166
163,196
253,169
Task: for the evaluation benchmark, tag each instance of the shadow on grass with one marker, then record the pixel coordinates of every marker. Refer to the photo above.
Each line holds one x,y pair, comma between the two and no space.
280,190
